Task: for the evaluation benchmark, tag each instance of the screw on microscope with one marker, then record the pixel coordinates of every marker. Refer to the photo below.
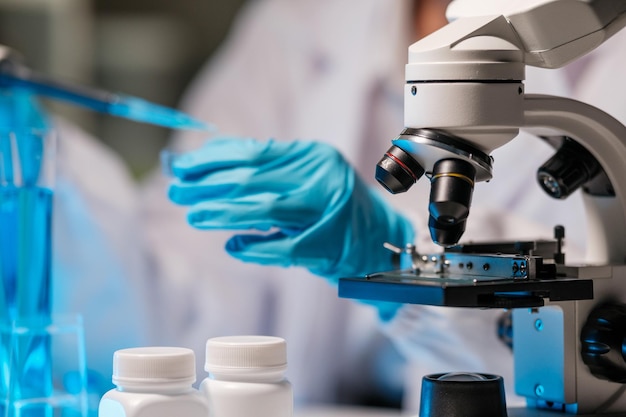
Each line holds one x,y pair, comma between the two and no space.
414,90
539,325
539,390
393,248
559,235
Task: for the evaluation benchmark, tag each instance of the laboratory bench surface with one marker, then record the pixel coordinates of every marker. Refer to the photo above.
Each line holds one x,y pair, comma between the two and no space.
335,411
345,412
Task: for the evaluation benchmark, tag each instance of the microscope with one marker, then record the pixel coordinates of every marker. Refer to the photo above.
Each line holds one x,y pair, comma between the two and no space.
464,97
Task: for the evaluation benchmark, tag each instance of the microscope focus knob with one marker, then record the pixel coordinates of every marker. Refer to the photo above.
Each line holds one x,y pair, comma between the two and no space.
603,342
571,167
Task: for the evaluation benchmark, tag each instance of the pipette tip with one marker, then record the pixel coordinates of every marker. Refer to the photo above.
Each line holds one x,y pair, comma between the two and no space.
147,112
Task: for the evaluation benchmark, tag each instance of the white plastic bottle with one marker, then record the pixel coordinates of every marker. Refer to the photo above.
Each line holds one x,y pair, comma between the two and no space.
247,377
153,382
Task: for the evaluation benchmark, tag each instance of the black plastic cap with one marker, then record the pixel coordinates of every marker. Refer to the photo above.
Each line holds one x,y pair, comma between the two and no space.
462,395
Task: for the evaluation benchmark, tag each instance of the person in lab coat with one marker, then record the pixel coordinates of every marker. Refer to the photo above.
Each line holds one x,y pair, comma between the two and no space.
332,72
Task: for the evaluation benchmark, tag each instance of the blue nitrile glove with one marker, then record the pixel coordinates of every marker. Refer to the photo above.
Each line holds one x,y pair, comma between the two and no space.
319,214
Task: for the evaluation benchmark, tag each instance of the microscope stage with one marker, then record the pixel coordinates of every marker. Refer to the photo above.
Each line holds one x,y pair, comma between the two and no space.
459,291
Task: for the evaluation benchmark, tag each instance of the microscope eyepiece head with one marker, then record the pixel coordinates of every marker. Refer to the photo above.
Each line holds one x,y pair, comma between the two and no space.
397,171
452,185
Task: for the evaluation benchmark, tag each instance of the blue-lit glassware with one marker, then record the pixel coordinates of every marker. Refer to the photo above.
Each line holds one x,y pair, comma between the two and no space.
52,382
26,178
27,149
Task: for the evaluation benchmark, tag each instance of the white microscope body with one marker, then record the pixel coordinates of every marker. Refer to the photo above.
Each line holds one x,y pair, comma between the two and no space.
464,97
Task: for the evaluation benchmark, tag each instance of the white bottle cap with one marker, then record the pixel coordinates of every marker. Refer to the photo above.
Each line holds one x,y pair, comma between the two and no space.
240,353
154,365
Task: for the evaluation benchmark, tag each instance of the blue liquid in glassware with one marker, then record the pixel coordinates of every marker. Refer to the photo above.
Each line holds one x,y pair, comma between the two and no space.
25,258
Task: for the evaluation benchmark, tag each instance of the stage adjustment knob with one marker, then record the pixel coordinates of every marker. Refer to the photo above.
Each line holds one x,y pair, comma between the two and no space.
603,342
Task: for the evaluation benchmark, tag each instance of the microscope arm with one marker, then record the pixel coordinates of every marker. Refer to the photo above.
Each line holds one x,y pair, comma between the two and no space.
605,138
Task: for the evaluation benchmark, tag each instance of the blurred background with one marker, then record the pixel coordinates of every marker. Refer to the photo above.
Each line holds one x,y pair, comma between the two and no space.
147,48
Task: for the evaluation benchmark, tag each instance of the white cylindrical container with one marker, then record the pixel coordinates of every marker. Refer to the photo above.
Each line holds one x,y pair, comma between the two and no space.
247,377
153,382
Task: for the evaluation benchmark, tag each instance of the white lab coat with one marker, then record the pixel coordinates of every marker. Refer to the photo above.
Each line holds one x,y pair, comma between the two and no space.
332,70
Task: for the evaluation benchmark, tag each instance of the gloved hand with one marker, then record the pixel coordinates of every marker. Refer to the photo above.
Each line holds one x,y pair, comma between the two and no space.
318,213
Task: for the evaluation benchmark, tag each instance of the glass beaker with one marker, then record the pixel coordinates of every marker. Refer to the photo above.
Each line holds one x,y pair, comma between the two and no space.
27,152
62,390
